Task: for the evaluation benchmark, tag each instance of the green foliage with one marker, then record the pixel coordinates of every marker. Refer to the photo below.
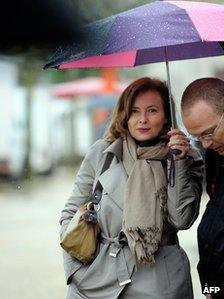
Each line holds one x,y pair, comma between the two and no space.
68,75
91,10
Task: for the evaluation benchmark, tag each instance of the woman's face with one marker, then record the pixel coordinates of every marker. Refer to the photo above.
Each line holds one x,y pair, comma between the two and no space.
147,117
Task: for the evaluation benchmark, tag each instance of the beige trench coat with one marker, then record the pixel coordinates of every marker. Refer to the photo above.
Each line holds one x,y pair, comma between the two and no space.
112,274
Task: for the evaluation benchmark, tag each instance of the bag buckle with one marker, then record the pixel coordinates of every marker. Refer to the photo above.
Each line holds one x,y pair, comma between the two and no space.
90,206
96,197
90,214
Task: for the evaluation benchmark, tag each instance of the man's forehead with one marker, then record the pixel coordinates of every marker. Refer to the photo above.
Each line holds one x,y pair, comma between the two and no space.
200,118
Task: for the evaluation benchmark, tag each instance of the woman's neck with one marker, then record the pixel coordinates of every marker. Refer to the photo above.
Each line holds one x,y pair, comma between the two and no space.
150,142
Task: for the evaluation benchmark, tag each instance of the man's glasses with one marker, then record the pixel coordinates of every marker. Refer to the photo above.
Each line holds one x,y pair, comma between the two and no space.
206,137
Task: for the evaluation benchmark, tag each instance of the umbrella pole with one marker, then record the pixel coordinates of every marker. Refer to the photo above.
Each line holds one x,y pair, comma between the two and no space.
172,113
173,152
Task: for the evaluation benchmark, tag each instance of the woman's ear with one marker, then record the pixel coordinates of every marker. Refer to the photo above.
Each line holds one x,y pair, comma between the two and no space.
165,123
166,126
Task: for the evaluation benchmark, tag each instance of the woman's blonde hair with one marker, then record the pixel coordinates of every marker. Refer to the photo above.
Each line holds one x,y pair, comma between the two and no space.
119,120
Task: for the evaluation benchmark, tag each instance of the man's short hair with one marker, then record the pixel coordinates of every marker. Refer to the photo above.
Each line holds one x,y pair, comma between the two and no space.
209,90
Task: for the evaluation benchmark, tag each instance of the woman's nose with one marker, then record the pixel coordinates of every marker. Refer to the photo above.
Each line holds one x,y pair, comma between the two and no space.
143,118
206,143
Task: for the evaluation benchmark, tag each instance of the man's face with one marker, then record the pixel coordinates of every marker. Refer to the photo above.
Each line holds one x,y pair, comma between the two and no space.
200,120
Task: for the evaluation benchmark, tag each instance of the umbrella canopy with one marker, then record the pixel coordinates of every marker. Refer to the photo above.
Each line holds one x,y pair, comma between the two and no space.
139,36
87,86
159,31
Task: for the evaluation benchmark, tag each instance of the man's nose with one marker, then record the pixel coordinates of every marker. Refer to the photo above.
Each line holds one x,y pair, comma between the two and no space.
206,143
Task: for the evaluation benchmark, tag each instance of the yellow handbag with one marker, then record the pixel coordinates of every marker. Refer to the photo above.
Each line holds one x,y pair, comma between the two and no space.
82,234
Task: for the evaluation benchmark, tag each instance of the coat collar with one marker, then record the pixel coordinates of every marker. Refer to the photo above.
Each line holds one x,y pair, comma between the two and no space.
114,179
116,148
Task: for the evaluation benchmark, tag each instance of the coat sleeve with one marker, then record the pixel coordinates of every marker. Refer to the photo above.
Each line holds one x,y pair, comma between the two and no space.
184,198
83,185
81,192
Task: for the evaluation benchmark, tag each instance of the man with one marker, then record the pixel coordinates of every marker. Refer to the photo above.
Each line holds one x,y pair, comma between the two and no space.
203,115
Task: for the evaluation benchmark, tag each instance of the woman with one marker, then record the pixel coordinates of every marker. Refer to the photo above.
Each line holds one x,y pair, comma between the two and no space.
140,213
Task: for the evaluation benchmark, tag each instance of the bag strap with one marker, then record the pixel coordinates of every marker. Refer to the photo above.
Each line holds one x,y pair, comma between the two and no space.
97,193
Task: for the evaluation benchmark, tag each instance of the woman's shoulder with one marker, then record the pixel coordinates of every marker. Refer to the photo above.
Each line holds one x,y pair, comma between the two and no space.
100,145
96,150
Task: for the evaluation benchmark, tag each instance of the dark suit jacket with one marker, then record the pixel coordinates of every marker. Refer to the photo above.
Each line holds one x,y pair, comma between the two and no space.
211,228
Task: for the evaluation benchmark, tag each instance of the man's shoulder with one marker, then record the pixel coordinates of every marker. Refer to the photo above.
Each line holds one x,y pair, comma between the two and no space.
214,165
195,153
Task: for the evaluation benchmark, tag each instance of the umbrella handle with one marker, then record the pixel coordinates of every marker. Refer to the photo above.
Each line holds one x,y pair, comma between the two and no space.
175,151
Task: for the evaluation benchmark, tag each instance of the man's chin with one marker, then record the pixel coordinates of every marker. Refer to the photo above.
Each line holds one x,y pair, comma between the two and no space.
218,140
219,150
221,153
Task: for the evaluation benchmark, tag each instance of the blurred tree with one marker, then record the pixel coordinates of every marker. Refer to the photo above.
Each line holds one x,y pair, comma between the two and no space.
28,77
98,9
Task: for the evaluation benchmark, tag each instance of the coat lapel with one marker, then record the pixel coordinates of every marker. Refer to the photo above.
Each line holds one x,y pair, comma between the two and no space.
113,181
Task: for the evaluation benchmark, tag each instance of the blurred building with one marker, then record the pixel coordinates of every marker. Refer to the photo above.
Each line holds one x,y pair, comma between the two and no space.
63,128
13,122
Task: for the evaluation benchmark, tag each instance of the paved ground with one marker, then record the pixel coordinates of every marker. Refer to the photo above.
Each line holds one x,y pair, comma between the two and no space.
30,259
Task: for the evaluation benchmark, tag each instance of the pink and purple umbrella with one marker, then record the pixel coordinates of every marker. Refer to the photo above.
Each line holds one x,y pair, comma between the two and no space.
155,32
138,36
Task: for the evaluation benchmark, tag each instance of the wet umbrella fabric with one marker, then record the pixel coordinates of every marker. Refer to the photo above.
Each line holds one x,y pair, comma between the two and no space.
138,36
159,31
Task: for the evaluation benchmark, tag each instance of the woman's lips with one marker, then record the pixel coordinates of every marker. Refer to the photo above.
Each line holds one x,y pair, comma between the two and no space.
143,130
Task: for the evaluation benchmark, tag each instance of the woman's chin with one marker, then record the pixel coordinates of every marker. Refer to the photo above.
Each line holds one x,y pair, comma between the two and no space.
144,138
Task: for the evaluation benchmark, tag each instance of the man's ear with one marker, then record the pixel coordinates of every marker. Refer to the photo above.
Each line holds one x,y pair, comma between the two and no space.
219,134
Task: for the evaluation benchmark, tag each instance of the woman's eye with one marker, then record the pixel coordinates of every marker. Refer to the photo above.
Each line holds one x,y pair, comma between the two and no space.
151,110
134,111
